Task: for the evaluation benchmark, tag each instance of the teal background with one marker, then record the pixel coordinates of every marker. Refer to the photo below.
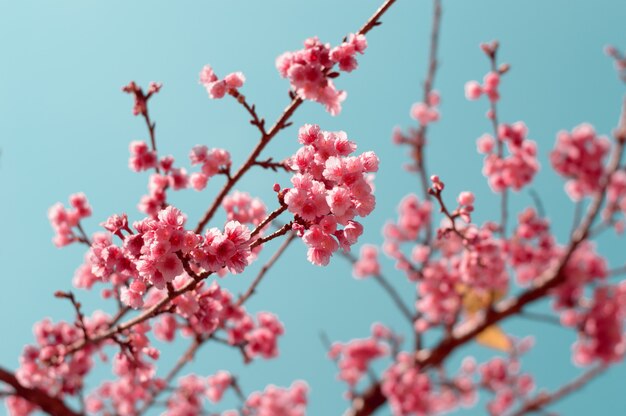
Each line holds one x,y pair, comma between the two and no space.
65,127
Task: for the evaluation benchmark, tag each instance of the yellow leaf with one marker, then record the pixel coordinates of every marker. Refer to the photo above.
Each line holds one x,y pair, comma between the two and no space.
477,300
494,337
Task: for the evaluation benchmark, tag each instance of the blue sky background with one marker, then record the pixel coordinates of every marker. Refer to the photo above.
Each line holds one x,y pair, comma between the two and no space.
65,127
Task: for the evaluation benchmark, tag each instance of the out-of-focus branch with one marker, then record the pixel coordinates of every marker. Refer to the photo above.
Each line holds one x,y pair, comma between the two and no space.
373,398
266,267
544,399
51,405
388,288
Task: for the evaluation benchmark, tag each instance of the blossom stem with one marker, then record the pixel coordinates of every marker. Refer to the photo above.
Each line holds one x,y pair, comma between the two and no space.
251,290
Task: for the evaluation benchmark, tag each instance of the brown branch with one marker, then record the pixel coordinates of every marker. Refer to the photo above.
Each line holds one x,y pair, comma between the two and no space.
251,109
388,288
151,127
51,405
80,318
281,231
266,137
269,219
83,238
243,298
154,310
274,166
544,399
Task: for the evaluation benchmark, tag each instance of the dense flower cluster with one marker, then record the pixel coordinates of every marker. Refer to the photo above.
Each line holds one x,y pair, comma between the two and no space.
531,247
45,365
274,401
489,87
367,264
151,256
518,168
330,188
601,327
309,69
579,156
354,358
64,221
503,377
412,392
218,88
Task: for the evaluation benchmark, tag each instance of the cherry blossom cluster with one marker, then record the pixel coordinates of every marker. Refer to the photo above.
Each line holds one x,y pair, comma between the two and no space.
330,188
414,217
46,366
135,369
243,208
474,90
503,377
151,255
354,358
579,156
218,88
367,263
518,168
309,69
274,400
411,391
65,221
531,247
600,326
208,309
426,113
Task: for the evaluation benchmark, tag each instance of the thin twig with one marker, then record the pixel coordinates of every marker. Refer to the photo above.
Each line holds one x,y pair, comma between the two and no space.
243,298
80,318
268,219
544,399
388,288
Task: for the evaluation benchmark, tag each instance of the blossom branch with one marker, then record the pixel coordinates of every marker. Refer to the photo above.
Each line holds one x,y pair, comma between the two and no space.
281,123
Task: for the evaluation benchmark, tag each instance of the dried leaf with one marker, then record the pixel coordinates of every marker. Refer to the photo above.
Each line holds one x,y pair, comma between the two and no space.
494,337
